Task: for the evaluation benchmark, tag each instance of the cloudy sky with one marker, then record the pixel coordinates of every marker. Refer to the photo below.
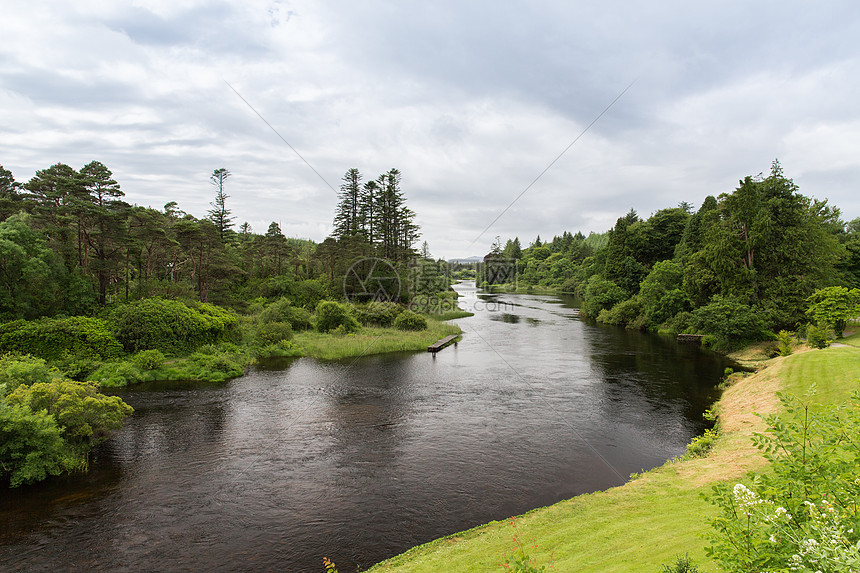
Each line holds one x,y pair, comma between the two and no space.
470,100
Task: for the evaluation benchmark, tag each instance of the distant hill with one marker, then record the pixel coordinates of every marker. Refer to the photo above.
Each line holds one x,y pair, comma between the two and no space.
467,260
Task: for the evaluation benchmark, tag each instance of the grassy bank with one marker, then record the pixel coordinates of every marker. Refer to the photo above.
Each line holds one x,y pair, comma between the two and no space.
659,515
370,340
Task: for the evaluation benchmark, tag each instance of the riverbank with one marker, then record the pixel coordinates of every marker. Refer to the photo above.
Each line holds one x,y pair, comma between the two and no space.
222,362
660,514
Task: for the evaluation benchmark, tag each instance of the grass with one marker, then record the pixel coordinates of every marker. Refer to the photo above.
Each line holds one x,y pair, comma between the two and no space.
660,514
371,340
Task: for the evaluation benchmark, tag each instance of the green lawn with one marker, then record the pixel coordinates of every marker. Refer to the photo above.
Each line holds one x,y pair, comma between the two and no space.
660,515
371,340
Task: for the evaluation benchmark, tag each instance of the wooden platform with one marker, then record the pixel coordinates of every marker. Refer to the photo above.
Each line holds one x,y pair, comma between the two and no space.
690,339
440,344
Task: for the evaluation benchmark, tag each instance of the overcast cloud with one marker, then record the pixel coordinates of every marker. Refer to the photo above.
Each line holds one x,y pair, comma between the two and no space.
470,100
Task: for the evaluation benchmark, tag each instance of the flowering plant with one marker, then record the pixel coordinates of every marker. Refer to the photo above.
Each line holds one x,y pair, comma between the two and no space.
804,515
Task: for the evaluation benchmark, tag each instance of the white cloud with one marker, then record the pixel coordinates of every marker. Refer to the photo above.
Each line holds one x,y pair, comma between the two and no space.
470,101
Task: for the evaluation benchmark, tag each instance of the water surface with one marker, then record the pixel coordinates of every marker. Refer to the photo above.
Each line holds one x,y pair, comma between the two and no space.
358,460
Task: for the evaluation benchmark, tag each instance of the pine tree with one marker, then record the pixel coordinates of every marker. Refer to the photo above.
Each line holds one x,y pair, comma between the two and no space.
347,218
219,214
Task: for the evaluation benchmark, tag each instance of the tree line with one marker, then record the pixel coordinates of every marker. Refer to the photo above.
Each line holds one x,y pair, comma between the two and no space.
741,266
70,243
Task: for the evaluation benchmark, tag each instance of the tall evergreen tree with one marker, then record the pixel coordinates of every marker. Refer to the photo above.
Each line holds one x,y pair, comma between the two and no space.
219,214
347,219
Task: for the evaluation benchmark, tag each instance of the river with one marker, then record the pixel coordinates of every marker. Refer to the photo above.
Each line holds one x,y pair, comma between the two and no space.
358,460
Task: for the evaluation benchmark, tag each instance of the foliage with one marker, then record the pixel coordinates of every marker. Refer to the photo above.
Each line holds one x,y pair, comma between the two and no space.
274,332
834,306
801,515
600,294
80,410
148,359
660,293
786,343
17,370
31,445
331,315
377,313
408,320
681,565
817,336
282,310
622,314
730,322
32,278
55,338
118,373
519,560
171,325
699,446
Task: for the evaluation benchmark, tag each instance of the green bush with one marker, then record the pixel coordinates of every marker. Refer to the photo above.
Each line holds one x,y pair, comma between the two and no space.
171,325
681,565
699,446
116,374
786,343
283,311
818,336
600,294
83,414
274,332
331,314
801,513
569,286
408,320
31,446
148,359
378,313
731,323
56,338
621,314
17,370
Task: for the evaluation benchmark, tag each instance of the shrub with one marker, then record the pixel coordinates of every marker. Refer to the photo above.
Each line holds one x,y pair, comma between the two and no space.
31,446
800,514
378,313
600,294
148,359
817,336
681,565
117,374
171,325
274,332
730,322
331,314
699,446
16,370
569,286
84,415
785,343
55,338
408,320
621,314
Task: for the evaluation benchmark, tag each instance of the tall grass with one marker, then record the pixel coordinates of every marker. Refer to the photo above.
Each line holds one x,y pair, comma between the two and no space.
371,340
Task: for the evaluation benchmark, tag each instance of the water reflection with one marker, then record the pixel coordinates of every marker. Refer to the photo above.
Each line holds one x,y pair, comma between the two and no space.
361,459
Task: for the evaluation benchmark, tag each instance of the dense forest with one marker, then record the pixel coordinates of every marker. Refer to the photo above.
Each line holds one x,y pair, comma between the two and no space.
71,244
743,266
95,292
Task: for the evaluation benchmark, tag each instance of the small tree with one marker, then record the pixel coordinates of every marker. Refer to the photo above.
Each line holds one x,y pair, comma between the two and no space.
834,306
